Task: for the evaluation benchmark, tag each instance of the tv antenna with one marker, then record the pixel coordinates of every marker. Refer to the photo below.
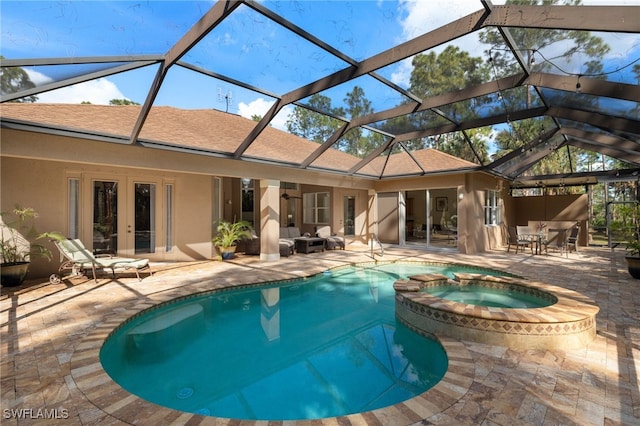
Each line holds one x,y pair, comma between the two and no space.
227,98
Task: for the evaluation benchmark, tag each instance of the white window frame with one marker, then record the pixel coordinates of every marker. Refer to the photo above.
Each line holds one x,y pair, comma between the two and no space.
492,208
169,217
313,211
73,206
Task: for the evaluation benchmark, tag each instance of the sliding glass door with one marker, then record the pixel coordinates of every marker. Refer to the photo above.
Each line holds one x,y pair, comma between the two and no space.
431,217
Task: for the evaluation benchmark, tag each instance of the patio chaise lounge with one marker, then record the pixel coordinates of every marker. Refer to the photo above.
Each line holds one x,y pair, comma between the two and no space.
333,240
78,258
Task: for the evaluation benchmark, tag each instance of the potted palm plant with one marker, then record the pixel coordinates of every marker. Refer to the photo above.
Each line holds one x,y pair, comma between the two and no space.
227,236
632,253
18,246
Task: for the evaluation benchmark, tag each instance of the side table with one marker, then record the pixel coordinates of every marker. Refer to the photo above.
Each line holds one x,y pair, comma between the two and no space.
310,244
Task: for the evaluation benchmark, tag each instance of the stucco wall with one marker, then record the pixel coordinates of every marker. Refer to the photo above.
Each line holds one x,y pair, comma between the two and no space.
478,236
570,208
43,186
473,235
32,183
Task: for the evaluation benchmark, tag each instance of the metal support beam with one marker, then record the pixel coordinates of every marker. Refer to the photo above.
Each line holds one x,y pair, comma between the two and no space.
619,19
606,122
589,86
210,20
75,80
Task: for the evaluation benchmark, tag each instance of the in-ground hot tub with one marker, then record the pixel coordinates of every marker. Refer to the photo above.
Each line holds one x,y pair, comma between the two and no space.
567,322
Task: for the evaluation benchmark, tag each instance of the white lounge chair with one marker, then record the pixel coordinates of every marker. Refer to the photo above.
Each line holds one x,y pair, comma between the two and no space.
78,258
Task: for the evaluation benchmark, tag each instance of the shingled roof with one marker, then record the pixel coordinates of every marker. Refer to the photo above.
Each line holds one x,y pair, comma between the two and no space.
581,101
212,131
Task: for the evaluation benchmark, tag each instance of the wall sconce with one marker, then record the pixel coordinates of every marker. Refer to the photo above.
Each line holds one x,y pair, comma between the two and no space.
460,196
229,202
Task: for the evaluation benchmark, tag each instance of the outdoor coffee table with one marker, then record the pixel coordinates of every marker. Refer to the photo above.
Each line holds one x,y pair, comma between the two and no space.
310,244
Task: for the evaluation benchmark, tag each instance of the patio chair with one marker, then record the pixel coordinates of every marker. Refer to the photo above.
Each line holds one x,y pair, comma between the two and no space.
78,258
556,239
333,241
249,245
515,240
572,239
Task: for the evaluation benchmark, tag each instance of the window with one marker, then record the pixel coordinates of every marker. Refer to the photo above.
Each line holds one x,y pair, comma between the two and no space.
168,247
316,208
217,204
247,200
144,230
74,208
492,207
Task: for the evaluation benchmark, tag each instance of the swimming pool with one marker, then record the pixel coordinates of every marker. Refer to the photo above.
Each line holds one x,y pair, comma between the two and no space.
320,347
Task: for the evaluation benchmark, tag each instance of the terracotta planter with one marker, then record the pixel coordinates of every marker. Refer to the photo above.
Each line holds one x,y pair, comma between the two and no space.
12,274
633,266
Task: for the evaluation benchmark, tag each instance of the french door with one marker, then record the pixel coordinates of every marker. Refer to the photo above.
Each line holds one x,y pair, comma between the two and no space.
349,215
126,216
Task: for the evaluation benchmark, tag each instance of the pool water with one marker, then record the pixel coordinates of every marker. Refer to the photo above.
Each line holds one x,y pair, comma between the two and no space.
324,346
489,297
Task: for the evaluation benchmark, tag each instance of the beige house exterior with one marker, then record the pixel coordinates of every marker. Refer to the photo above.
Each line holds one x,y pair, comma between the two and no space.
54,157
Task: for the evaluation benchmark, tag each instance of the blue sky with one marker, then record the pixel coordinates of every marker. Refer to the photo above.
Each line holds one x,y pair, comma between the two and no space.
247,47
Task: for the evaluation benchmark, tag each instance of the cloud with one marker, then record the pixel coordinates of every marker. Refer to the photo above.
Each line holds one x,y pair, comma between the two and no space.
98,92
420,16
260,107
402,73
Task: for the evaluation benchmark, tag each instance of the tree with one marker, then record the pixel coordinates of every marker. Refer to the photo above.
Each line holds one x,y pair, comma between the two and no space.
356,141
15,79
122,102
570,47
312,125
447,72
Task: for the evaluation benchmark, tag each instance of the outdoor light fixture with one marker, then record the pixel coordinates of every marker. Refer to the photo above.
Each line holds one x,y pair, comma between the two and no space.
578,85
288,197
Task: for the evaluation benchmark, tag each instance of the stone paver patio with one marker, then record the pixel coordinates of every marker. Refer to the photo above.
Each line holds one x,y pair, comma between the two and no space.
51,334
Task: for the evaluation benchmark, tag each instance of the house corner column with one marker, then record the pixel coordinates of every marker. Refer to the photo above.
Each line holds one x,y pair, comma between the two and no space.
269,219
372,216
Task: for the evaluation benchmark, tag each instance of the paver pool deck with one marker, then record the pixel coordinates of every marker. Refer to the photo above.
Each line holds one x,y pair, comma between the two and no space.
51,334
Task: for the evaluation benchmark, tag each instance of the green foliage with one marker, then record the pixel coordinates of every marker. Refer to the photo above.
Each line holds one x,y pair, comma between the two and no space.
16,79
19,236
450,71
631,213
122,102
311,125
356,141
571,47
633,248
229,233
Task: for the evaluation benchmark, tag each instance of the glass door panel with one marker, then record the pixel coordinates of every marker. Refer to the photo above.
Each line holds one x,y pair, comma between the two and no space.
349,215
417,222
105,217
144,218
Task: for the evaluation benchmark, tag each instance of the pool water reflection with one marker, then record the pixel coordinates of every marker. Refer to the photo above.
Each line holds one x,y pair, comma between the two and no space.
320,347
